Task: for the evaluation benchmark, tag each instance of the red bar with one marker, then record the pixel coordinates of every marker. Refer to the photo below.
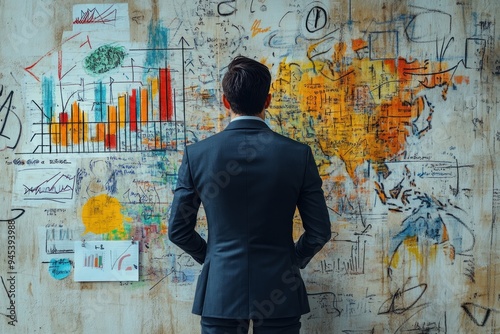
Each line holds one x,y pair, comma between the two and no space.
163,94
166,104
170,104
110,141
133,110
63,117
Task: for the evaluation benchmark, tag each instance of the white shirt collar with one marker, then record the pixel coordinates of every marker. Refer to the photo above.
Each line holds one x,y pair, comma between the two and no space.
256,118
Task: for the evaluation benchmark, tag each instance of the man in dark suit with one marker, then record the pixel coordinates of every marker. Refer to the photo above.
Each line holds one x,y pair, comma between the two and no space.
250,181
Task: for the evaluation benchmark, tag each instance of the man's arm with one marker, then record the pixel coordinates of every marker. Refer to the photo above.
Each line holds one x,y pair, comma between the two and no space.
314,214
184,211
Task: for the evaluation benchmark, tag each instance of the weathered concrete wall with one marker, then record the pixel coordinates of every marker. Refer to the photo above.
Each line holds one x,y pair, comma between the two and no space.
398,100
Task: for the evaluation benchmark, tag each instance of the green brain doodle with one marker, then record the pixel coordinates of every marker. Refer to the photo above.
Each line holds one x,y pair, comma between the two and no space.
104,59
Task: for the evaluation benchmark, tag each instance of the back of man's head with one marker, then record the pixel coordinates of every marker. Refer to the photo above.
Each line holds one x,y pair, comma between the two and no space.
246,85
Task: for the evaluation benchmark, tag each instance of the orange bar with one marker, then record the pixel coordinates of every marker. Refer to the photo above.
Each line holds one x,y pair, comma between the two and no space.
75,123
122,110
101,131
144,106
112,118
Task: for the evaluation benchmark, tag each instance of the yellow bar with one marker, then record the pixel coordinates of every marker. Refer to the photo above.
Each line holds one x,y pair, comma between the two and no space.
84,132
154,87
155,91
54,130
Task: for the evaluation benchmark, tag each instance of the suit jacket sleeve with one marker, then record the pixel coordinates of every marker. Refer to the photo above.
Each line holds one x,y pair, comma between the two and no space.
314,213
184,212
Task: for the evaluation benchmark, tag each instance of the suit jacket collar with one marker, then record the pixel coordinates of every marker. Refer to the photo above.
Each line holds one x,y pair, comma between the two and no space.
247,124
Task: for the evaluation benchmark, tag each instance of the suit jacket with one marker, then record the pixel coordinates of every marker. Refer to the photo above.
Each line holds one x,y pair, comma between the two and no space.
250,181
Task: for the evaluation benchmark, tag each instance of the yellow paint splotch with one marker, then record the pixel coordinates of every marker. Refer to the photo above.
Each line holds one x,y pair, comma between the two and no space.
103,214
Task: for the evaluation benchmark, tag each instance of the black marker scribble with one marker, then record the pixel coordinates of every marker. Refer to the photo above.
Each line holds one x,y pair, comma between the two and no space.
477,313
9,132
21,212
402,301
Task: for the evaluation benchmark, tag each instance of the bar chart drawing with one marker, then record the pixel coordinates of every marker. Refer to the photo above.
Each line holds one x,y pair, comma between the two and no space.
146,114
93,261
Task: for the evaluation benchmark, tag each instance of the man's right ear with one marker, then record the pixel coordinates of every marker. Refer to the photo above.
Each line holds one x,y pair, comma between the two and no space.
268,101
226,102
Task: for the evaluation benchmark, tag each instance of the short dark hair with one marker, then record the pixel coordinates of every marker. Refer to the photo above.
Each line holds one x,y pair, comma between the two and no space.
246,85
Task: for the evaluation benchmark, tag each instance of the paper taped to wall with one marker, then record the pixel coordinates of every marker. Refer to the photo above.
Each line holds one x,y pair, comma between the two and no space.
106,261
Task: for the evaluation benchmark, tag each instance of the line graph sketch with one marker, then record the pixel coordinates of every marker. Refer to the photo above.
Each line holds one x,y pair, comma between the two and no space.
53,185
